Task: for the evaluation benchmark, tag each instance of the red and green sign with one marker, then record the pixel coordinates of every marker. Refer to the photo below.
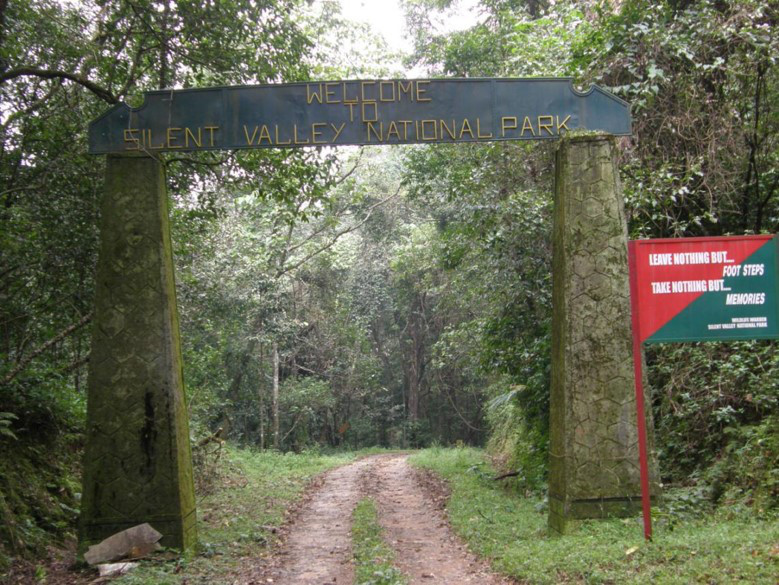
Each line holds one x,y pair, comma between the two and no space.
705,289
698,289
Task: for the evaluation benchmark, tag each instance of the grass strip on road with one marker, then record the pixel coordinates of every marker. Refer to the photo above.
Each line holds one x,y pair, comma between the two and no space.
511,531
373,559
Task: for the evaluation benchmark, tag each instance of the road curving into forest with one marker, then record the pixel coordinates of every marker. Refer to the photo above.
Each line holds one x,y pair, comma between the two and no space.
317,547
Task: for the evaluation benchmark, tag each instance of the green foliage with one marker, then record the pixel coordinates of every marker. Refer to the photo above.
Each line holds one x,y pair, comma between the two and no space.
517,445
716,409
746,472
372,557
308,403
39,495
6,419
702,80
511,531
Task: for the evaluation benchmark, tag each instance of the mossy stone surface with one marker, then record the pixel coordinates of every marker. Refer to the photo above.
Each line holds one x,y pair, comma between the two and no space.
137,464
593,468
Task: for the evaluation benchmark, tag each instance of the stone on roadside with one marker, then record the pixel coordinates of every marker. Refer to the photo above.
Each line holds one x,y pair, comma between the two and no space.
137,541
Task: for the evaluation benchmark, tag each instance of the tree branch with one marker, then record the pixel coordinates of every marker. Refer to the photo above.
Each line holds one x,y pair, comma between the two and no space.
42,348
338,235
505,475
100,92
350,172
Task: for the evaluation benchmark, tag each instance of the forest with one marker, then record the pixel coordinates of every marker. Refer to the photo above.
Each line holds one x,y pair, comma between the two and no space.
337,299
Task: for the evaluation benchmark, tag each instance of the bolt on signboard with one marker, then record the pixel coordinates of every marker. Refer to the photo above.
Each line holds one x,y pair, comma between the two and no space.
699,289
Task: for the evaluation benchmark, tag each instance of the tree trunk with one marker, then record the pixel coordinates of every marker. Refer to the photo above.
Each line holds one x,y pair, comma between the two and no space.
261,397
276,437
163,80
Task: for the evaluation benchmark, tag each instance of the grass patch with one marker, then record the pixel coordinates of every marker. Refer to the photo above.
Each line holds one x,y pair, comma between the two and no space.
511,531
237,520
373,558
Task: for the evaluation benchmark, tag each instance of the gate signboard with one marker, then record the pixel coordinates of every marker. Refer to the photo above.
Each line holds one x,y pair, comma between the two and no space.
706,289
337,113
137,421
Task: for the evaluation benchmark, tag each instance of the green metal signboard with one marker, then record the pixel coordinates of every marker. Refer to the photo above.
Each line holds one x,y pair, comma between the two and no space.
705,289
357,112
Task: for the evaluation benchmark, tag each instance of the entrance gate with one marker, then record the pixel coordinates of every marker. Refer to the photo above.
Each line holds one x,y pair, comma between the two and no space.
137,461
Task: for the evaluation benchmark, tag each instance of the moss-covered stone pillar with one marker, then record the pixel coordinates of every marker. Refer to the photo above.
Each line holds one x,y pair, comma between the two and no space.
594,469
137,464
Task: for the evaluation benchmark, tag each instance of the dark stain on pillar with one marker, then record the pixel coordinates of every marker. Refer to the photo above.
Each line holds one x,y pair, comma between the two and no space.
148,435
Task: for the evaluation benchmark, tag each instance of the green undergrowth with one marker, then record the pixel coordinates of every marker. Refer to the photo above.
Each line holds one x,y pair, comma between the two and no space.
691,544
238,519
39,494
373,558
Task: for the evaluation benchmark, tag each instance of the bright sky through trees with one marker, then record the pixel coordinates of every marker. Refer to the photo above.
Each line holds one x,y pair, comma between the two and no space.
388,19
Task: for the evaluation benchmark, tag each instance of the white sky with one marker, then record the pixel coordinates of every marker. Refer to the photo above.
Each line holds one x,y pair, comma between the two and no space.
387,18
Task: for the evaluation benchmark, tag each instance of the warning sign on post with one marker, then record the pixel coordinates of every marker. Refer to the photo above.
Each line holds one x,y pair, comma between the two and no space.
705,289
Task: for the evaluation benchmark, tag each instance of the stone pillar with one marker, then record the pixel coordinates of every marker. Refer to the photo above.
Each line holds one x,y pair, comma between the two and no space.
137,464
593,467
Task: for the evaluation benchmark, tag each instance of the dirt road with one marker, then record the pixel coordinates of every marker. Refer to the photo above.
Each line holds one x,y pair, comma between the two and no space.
317,548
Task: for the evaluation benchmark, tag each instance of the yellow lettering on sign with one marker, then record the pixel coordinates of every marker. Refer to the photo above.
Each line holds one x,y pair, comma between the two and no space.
545,125
351,110
527,125
264,135
151,145
466,127
507,123
196,141
131,138
375,117
277,137
352,100
250,141
478,130
408,90
406,124
393,129
330,91
316,133
212,129
421,92
435,130
171,138
370,126
363,86
295,135
452,132
382,85
337,130
313,95
561,125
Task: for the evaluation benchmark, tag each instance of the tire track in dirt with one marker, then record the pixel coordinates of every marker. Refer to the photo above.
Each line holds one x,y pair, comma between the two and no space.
318,546
426,550
317,549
